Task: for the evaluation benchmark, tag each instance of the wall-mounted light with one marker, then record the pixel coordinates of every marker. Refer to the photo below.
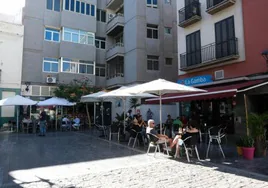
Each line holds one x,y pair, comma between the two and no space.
27,86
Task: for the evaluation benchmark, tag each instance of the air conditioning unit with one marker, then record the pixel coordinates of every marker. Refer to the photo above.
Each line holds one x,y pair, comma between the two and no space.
51,80
110,16
219,74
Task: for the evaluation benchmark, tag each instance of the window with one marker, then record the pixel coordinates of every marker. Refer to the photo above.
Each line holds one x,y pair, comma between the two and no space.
168,61
152,3
53,5
52,34
152,31
225,38
101,15
100,70
167,1
100,42
78,36
79,7
193,49
77,66
152,62
50,65
167,30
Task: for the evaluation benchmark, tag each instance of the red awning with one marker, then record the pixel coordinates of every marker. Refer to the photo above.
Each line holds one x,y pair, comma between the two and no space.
224,91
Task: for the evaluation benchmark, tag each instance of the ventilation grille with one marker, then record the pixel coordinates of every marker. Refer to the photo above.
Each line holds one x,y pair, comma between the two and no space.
219,74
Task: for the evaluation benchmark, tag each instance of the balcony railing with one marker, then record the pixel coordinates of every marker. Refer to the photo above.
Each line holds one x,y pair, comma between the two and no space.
214,6
115,16
114,4
115,76
210,54
115,25
190,14
118,44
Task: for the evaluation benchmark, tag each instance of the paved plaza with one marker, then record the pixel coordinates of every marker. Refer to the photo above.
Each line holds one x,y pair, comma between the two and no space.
73,159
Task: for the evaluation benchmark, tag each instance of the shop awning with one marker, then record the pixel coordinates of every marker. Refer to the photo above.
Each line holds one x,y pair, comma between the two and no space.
223,91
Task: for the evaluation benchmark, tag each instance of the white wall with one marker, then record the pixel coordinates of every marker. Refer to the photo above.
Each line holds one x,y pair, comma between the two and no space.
11,47
171,109
207,29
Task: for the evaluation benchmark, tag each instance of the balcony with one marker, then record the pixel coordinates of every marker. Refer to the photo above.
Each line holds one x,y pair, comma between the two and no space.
116,50
190,14
214,6
210,54
115,25
116,79
114,4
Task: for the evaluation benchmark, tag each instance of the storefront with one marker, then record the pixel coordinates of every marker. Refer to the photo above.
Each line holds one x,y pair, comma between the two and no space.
222,104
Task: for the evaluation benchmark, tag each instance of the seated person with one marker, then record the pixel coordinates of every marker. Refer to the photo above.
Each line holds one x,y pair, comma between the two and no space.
178,139
65,122
151,129
27,120
76,123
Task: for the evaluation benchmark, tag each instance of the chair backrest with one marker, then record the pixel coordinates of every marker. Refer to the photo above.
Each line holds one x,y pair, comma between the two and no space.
133,133
115,128
213,131
152,137
193,140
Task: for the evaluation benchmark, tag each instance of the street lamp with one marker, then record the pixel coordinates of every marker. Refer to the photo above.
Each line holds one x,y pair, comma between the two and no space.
265,55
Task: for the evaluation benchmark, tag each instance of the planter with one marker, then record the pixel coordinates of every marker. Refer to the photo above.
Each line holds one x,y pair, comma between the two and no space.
239,150
248,153
260,148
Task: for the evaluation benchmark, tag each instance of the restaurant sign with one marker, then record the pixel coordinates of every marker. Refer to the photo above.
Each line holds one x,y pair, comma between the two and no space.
197,80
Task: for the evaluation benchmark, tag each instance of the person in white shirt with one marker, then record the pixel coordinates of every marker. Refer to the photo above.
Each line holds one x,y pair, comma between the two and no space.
76,123
65,122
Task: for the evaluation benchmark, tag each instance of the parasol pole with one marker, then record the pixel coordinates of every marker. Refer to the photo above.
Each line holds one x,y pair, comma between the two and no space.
18,109
56,118
246,111
124,101
102,119
160,111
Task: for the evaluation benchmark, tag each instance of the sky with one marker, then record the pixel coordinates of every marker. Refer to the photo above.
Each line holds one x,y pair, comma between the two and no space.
11,7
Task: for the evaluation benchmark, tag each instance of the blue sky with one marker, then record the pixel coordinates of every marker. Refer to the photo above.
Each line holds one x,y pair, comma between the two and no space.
11,7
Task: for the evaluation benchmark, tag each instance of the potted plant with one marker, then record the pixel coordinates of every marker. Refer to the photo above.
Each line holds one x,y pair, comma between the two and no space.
257,124
248,147
239,145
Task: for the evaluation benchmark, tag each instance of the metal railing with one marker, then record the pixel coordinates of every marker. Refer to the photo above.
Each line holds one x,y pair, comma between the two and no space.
115,75
209,53
118,44
189,11
212,3
115,16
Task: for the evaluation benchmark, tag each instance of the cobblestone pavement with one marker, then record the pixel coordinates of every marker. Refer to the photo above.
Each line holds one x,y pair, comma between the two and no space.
77,160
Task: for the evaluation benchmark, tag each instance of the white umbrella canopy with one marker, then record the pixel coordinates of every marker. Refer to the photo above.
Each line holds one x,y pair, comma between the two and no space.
160,87
123,94
55,101
94,97
17,100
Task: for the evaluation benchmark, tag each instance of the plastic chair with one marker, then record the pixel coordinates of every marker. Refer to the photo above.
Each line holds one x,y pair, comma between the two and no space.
189,144
220,134
155,142
102,129
133,137
114,130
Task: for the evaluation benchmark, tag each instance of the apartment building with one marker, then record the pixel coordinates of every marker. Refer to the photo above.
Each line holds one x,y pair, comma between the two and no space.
221,45
11,45
109,42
